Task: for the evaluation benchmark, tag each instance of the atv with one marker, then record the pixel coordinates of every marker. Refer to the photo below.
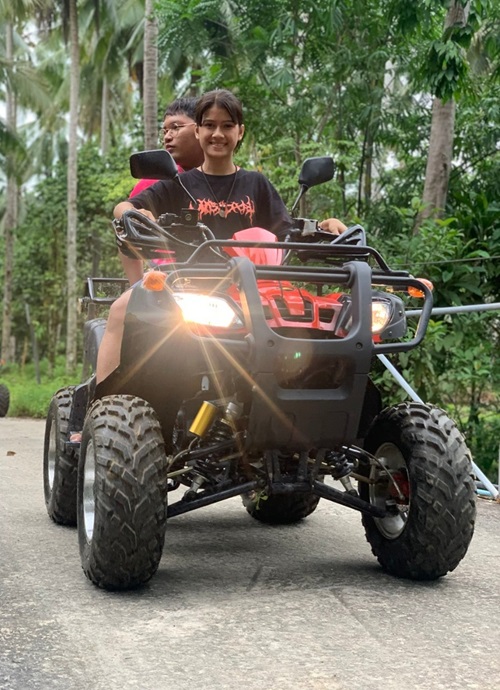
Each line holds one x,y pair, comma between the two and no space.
4,400
246,370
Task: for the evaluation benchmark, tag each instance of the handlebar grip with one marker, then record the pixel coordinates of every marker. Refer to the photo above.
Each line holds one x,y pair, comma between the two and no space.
306,226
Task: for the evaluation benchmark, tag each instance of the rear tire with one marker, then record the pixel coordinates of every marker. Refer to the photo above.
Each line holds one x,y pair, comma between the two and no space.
433,506
122,493
280,509
59,464
4,400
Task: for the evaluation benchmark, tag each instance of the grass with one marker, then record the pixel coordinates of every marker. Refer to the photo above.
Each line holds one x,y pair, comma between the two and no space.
28,398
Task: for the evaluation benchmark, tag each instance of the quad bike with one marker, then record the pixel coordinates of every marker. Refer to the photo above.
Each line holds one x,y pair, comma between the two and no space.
245,371
4,400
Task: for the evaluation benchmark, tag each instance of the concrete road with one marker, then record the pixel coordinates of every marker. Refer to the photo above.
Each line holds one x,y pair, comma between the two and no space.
235,604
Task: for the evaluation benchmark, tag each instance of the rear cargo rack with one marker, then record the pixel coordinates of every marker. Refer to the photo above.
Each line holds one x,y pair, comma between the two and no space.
96,285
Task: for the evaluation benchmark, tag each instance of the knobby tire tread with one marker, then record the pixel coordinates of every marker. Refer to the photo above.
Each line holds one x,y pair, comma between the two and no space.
130,493
442,511
281,510
61,498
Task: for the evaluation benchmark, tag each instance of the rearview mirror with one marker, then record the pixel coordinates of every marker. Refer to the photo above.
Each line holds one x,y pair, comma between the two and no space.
315,171
154,165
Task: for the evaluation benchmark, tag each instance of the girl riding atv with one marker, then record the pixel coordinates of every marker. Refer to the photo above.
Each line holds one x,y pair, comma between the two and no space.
229,199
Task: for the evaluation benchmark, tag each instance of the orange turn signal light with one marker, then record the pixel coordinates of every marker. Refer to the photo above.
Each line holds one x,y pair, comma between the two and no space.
415,292
154,280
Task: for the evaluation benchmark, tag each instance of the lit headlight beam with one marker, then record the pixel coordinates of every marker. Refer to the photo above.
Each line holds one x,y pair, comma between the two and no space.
206,310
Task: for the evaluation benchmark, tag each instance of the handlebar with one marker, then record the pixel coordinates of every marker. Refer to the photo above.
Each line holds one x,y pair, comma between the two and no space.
140,237
309,231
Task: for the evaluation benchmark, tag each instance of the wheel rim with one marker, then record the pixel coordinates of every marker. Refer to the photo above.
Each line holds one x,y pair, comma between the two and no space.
51,456
390,492
88,490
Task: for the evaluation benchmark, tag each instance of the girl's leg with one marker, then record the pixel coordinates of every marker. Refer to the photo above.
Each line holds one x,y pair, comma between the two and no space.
108,357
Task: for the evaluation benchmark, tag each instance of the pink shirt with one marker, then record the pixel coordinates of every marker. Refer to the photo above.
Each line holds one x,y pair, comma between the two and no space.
143,184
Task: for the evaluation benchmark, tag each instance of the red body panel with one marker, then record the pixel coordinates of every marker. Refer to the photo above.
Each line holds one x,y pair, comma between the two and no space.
285,305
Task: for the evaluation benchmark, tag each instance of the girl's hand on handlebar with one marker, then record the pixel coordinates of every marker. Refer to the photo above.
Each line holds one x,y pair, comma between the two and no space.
332,225
123,206
147,213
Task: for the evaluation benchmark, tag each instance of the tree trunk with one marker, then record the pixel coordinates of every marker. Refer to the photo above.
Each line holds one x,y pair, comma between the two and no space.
150,77
104,116
72,183
10,218
368,168
366,172
437,173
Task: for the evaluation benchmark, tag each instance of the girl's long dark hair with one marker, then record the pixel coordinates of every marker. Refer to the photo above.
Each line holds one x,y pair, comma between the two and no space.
222,99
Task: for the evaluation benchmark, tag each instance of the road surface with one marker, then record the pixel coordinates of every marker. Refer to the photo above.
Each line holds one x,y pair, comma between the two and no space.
235,604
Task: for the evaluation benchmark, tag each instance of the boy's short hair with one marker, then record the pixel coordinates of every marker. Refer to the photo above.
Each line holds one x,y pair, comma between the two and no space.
182,106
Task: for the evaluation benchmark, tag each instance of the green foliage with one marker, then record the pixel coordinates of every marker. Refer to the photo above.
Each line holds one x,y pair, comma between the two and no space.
484,442
275,56
457,366
459,372
40,255
446,66
27,397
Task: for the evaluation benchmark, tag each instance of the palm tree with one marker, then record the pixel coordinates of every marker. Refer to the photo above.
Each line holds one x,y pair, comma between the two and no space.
72,190
10,219
21,88
111,46
150,79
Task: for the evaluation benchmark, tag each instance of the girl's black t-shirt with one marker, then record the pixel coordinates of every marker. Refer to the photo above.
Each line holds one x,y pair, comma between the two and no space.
248,201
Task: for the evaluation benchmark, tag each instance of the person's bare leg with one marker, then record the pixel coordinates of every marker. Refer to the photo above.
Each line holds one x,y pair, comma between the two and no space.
108,357
133,268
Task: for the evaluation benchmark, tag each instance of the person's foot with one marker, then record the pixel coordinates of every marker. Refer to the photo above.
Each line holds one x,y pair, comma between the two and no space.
75,437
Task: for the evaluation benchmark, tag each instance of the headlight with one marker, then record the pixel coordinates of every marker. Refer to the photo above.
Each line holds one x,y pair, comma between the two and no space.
388,316
381,315
206,310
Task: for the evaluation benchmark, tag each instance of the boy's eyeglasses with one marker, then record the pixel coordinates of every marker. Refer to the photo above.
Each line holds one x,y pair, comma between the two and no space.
173,129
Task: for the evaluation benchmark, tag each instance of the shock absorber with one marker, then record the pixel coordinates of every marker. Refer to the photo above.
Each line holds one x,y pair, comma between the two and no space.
204,419
223,429
215,430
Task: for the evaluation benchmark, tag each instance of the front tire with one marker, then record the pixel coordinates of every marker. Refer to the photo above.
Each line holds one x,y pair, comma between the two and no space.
122,493
59,464
430,492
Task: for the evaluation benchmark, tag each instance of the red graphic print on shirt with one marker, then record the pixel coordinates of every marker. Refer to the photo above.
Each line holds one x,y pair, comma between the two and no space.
208,207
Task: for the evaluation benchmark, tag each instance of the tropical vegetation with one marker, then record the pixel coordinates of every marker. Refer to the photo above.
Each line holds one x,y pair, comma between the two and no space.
404,95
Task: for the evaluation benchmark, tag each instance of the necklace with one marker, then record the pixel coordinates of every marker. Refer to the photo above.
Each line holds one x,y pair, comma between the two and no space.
221,204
